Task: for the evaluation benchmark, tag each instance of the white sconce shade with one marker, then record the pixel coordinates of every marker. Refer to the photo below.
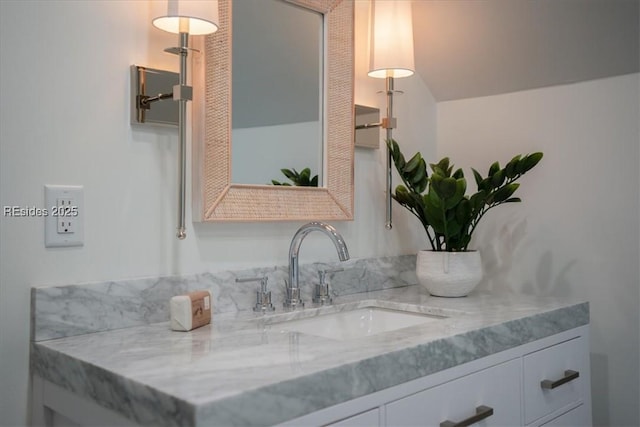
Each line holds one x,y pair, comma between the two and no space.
391,39
196,17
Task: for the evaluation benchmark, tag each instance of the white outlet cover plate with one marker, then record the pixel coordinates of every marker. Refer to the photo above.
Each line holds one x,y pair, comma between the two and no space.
53,193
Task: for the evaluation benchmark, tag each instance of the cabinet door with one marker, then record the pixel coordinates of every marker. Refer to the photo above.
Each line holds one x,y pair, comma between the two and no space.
366,419
554,378
496,389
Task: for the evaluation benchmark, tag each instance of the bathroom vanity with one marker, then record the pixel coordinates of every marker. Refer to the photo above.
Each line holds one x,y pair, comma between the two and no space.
499,359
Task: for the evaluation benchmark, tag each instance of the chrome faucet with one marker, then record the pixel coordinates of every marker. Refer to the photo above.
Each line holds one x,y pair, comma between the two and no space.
292,299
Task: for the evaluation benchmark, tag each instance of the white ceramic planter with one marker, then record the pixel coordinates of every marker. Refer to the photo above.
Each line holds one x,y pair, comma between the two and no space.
449,274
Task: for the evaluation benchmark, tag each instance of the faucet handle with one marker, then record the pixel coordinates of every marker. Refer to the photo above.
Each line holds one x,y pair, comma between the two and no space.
321,295
263,296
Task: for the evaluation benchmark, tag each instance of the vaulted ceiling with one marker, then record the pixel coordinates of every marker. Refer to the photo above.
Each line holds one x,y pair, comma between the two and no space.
472,48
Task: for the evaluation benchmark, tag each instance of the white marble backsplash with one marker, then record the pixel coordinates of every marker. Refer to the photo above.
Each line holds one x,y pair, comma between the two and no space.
68,310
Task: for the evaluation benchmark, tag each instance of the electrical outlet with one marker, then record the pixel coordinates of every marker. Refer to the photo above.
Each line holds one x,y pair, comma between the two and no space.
64,223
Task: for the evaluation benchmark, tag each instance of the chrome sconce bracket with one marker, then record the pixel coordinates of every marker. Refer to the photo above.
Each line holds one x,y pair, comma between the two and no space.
182,93
368,123
147,87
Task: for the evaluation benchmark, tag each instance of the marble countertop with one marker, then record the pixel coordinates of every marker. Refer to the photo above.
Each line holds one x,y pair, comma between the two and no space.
243,370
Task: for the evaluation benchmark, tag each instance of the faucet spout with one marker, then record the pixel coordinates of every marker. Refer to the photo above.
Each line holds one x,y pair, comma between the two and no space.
292,299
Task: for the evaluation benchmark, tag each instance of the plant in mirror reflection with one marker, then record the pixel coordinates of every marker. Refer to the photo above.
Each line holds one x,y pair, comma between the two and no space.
302,178
448,215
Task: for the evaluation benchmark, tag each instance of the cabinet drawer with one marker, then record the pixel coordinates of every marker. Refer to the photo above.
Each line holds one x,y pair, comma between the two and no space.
576,417
552,378
365,419
497,388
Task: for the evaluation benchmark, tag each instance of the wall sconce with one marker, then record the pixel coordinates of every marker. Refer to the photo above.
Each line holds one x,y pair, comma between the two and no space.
390,56
367,124
182,17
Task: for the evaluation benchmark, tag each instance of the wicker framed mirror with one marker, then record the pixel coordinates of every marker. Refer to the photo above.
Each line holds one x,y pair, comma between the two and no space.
215,197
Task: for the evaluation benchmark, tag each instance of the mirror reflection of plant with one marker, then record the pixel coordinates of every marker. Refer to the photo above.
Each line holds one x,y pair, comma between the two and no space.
448,216
302,178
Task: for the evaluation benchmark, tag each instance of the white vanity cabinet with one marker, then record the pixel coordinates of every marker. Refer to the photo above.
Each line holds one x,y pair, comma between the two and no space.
554,378
368,418
542,383
492,395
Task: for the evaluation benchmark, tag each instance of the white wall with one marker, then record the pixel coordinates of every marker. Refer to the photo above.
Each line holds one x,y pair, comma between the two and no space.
576,232
64,86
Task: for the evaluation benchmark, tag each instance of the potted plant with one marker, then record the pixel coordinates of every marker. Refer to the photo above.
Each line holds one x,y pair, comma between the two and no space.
302,178
450,216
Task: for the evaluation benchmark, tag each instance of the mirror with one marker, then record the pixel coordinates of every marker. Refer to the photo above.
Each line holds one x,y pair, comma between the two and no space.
216,197
276,91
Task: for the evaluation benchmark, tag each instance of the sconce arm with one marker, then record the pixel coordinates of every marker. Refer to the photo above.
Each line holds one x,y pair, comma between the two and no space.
368,125
179,92
145,101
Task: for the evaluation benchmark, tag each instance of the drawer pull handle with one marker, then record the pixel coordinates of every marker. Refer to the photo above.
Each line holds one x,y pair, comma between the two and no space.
482,412
569,375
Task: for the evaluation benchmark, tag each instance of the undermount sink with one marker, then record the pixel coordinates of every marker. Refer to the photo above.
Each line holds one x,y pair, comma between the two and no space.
356,323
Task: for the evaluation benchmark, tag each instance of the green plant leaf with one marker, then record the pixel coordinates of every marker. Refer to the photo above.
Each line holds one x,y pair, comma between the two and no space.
412,164
478,200
304,177
396,154
291,174
420,186
453,228
530,161
510,169
401,193
437,171
444,187
485,185
433,197
503,193
463,211
450,214
448,188
495,167
498,178
444,164
477,177
420,174
461,187
441,168
434,216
